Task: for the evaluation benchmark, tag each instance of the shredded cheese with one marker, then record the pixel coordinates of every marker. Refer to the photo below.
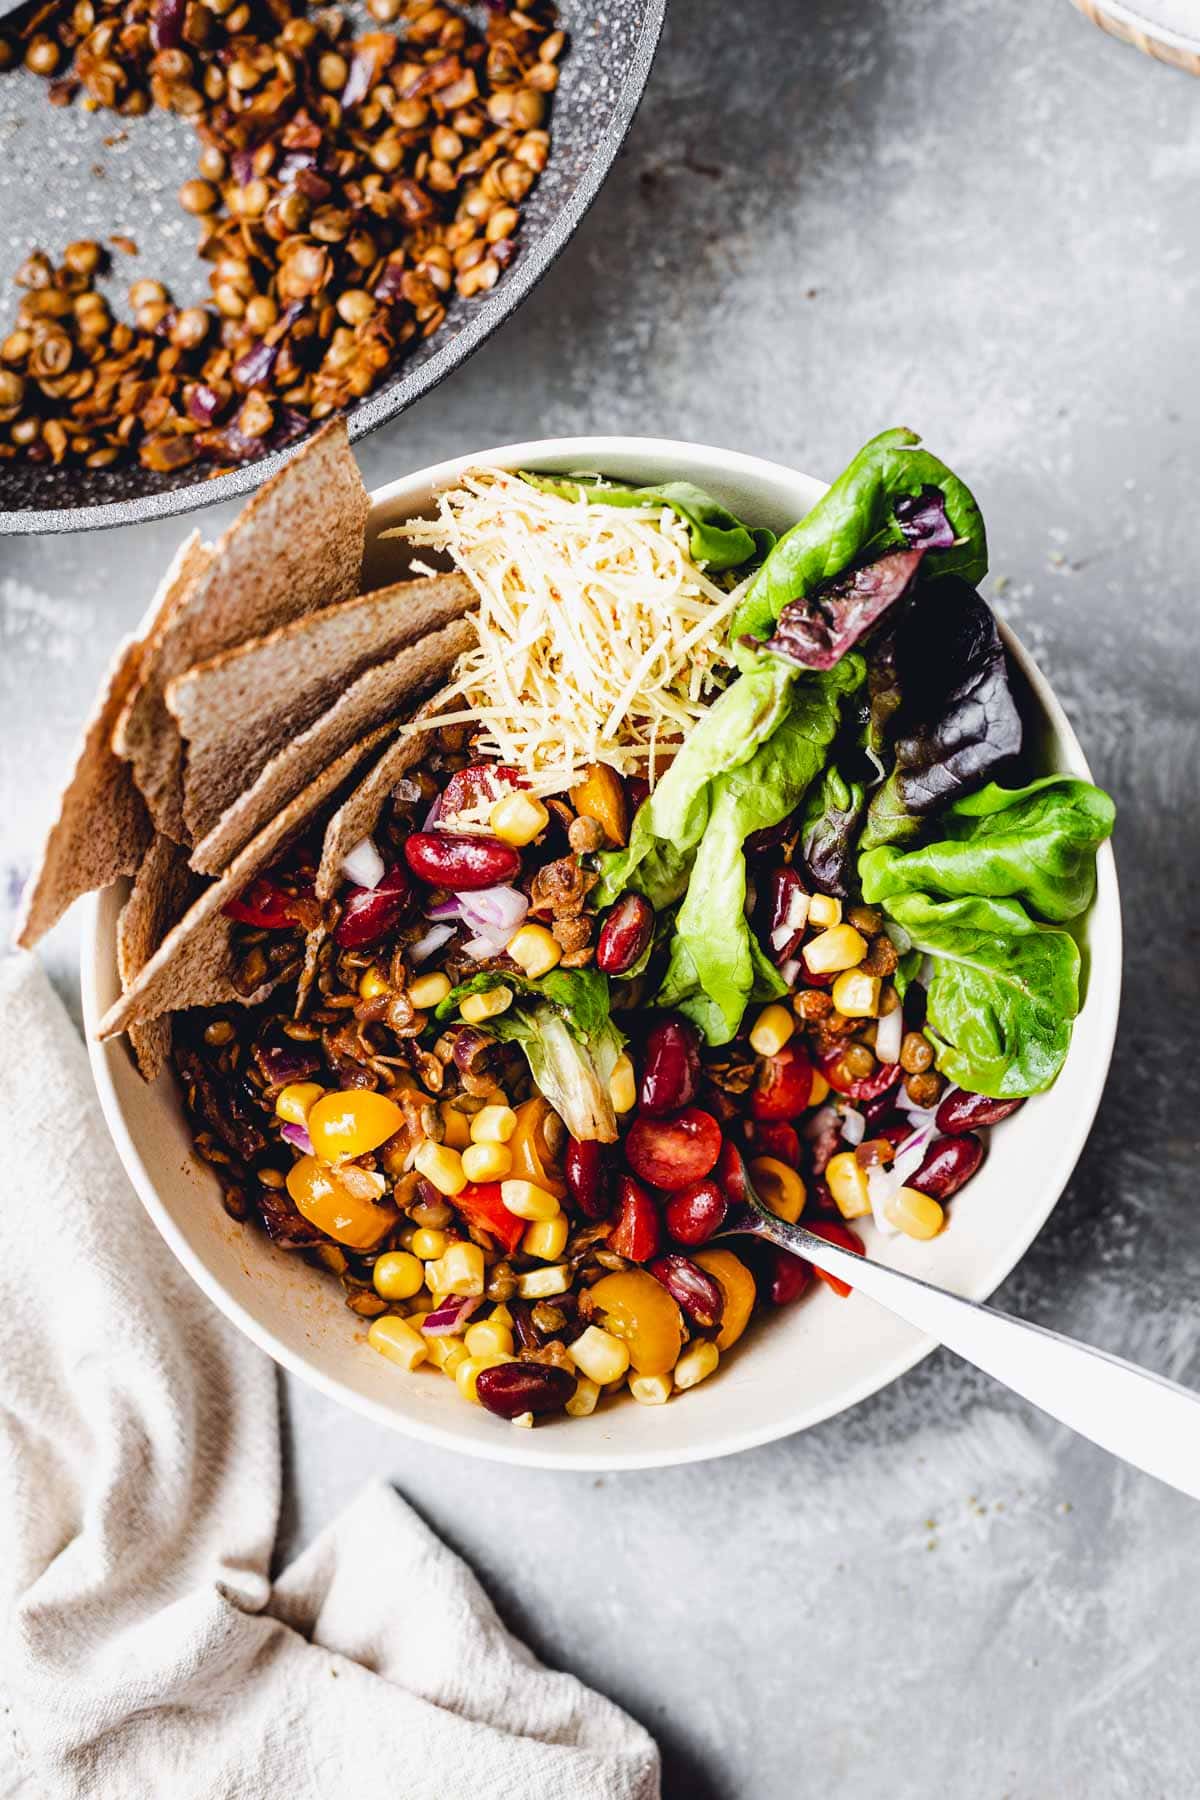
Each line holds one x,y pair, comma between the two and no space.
599,638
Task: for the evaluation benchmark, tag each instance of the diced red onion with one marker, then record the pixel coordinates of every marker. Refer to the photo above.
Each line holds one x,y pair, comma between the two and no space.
446,909
428,942
299,1139
253,367
881,1185
822,1120
203,403
889,1033
854,1126
363,865
242,164
485,946
495,910
451,1315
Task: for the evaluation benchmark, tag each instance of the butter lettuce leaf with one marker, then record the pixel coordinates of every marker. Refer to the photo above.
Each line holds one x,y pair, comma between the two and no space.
719,540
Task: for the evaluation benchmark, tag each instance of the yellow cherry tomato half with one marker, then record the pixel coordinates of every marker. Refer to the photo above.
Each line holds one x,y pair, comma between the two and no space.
352,1123
324,1199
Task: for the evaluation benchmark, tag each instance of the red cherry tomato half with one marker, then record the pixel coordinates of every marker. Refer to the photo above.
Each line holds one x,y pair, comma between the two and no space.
671,1153
637,1233
265,906
868,1087
772,1137
476,785
784,1085
834,1232
731,1173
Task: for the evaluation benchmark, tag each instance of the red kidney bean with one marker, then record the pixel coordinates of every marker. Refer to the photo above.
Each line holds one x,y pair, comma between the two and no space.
820,1200
510,1389
673,1153
475,785
691,1288
787,891
774,1137
961,1111
784,1085
880,1111
461,864
867,1087
637,1233
368,914
670,1068
834,1232
949,1164
587,1177
692,1215
626,931
787,1276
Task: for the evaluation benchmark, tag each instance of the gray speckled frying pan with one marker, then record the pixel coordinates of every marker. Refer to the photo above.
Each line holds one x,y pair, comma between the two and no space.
66,173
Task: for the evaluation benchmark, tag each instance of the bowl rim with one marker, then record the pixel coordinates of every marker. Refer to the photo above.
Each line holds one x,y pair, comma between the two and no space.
591,1455
391,402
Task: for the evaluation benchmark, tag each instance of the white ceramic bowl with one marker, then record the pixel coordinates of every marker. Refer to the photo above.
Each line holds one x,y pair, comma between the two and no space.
793,1368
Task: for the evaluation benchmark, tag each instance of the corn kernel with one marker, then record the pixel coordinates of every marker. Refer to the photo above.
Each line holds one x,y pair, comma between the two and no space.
582,1403
488,1339
333,1257
914,1213
398,1275
524,1420
535,950
487,1162
470,1369
441,1165
542,1284
476,1008
780,1187
292,1103
772,1029
493,1125
696,1363
445,1352
546,1238
456,1126
417,1319
855,994
462,1270
841,947
456,1355
428,1243
823,909
373,984
395,1338
525,1200
622,1085
428,990
846,1180
650,1390
601,1356
518,819
500,1315
820,1089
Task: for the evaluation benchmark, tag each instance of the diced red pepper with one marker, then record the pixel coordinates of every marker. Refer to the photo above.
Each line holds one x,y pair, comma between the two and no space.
264,905
867,1087
480,1205
774,1137
637,1232
784,1085
834,1232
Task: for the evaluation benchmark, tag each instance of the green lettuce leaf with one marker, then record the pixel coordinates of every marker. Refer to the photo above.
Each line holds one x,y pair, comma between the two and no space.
1036,844
855,520
718,539
1002,994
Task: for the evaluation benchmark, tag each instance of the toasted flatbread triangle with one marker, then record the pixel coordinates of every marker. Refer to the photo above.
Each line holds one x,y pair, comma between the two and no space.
239,709
195,964
384,692
163,888
297,545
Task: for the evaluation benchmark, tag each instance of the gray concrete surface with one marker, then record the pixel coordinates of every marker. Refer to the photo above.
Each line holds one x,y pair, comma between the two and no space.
978,219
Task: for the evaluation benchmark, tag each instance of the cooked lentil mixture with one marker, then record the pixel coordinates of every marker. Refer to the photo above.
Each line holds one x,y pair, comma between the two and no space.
389,1128
345,188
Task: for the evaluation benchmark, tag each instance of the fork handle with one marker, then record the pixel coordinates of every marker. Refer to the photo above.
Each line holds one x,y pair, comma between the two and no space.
1141,1417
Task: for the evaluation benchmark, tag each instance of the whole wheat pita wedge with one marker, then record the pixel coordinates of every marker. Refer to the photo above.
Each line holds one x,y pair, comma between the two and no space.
103,826
297,545
163,889
355,819
383,693
195,964
238,710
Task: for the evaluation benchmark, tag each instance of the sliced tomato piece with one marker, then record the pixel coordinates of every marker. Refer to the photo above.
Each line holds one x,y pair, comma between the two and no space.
637,1232
673,1152
480,1205
784,1085
774,1137
265,906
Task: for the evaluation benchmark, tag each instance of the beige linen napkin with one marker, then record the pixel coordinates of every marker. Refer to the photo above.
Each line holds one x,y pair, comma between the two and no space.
145,1653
